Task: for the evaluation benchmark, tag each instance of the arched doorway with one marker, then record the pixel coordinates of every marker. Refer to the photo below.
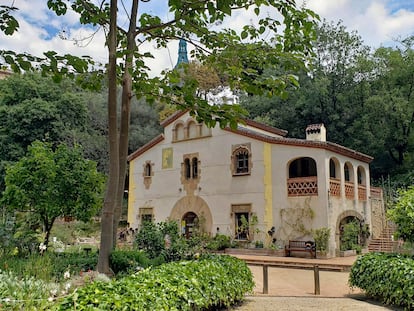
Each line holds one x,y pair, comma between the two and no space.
349,221
192,208
189,224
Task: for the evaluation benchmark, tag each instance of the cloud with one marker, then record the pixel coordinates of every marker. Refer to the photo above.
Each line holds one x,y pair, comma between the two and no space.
376,21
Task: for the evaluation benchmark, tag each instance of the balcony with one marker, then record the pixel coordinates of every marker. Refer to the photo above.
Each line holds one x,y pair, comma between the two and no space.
335,187
362,193
349,190
302,186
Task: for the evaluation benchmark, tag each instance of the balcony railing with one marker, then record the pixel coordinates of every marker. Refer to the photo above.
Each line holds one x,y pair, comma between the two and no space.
362,193
349,190
376,193
302,186
335,187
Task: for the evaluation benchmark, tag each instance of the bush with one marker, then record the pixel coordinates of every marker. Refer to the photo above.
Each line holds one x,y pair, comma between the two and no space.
126,261
321,237
25,293
219,243
350,235
164,240
387,277
208,283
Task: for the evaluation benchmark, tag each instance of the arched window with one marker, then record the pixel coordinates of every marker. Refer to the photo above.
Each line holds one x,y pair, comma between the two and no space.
195,167
192,130
148,169
187,167
179,131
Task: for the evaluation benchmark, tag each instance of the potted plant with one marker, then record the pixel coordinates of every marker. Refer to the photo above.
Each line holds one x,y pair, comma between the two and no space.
321,238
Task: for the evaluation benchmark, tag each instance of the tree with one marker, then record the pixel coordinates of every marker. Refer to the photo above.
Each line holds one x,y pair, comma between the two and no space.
402,213
287,46
34,108
51,184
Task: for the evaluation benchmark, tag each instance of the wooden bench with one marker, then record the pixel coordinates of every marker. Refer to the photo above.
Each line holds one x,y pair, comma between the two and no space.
301,246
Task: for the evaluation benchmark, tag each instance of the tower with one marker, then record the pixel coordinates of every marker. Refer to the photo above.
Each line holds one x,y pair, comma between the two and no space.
182,53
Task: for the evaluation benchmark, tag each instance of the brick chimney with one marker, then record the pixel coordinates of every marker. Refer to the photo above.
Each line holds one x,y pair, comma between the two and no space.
316,132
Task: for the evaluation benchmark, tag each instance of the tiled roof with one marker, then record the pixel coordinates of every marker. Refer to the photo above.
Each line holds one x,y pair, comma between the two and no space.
303,143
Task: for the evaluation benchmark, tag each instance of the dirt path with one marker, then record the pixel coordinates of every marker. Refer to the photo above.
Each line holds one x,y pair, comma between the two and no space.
300,282
293,290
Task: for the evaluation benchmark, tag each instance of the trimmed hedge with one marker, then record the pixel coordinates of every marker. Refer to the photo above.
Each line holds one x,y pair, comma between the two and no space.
208,283
386,277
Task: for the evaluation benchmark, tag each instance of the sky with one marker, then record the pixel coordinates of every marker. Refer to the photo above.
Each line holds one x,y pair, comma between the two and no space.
378,22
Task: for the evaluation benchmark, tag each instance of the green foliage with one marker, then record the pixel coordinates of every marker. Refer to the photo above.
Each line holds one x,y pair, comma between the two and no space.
402,213
8,23
19,234
387,277
349,236
163,241
321,237
208,283
50,184
128,261
219,242
27,293
150,239
49,267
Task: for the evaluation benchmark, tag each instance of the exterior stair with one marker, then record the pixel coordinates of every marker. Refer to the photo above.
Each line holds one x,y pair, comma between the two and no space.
384,243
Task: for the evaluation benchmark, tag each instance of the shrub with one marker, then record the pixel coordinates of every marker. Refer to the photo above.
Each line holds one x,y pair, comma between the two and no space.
25,293
321,237
349,238
387,277
219,242
164,240
125,261
208,283
73,262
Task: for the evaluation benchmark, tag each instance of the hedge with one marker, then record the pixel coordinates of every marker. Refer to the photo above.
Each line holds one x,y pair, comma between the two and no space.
386,277
213,282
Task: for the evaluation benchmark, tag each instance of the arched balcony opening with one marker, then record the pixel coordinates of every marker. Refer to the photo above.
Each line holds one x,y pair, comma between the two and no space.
362,187
303,177
349,181
334,178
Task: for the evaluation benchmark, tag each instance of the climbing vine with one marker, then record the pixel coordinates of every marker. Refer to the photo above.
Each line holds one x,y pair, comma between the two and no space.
296,221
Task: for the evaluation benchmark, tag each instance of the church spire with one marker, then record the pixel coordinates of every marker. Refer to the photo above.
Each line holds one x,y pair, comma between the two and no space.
182,53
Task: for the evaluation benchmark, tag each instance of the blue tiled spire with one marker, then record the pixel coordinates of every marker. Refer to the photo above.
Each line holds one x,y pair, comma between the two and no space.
182,53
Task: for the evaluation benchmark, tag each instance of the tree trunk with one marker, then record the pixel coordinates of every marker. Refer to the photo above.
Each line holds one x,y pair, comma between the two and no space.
125,115
106,244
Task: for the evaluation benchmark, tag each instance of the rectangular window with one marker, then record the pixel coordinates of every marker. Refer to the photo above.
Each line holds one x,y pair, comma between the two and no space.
146,214
242,226
241,217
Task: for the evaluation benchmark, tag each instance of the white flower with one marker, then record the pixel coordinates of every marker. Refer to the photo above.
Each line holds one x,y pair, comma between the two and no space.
67,286
53,292
42,247
50,299
7,300
66,275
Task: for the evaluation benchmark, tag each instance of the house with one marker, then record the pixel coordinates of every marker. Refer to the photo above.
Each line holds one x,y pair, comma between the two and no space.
219,179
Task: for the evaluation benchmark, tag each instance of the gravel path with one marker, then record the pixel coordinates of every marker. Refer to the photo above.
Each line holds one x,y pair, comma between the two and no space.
293,290
261,303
